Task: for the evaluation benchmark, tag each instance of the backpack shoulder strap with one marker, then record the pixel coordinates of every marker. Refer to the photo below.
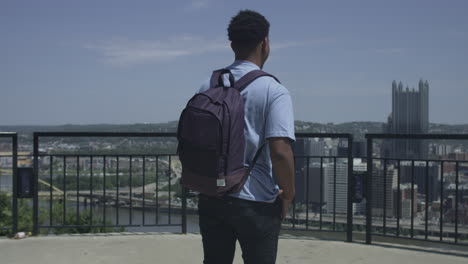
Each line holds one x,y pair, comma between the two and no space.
217,78
257,155
250,77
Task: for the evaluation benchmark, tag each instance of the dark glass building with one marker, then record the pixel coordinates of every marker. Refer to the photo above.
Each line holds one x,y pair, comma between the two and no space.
303,149
410,115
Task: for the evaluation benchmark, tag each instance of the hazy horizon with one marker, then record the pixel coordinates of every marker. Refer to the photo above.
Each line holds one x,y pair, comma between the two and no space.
171,121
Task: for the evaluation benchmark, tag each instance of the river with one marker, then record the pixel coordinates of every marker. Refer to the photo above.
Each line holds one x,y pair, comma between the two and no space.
124,214
150,218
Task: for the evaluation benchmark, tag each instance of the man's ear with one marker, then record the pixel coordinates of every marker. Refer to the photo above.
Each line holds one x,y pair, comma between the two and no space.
261,46
264,43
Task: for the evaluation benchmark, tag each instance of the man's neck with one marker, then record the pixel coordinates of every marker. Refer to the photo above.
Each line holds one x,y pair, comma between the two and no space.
253,59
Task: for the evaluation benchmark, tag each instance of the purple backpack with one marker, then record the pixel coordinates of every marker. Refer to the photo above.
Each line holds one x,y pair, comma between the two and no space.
211,137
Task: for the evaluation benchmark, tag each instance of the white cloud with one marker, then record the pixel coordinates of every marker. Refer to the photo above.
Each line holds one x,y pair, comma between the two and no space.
294,44
125,52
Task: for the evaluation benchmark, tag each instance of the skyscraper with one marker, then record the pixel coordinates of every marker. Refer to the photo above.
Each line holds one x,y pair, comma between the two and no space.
382,186
410,115
304,148
340,195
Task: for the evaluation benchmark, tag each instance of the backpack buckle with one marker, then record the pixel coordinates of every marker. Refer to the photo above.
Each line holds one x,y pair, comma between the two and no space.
220,182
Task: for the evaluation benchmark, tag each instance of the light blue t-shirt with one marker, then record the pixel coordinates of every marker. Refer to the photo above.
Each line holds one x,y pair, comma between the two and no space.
268,113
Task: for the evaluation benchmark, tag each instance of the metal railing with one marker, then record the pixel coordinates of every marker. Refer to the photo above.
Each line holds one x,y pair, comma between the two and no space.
14,157
127,192
121,181
82,196
415,177
300,217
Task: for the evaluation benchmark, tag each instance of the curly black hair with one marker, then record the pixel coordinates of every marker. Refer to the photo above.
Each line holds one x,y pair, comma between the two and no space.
247,29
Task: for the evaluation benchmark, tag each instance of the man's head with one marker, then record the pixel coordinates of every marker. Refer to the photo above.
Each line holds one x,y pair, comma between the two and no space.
248,33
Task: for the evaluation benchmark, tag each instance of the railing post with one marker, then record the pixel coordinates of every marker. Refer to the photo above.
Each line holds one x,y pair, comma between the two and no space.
35,183
184,210
349,222
15,182
369,191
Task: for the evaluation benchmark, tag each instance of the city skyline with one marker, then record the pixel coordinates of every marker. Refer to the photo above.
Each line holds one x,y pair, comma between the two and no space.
123,62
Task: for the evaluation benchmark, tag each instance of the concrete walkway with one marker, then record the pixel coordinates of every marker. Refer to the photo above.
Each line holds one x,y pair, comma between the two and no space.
176,248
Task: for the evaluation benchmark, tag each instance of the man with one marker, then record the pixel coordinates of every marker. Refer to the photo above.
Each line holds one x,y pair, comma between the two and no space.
253,215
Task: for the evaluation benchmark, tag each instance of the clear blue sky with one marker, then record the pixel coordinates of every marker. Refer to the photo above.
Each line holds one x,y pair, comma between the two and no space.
112,61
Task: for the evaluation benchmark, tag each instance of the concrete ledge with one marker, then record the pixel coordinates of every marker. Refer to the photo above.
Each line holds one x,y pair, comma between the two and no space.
386,241
176,248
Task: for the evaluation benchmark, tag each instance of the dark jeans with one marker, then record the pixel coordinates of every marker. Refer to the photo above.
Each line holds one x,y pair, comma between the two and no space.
225,220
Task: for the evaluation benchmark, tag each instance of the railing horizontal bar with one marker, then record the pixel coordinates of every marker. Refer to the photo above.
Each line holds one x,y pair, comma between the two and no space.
422,239
299,135
421,160
165,134
322,135
318,157
149,155
310,229
68,226
104,134
177,225
418,136
8,134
